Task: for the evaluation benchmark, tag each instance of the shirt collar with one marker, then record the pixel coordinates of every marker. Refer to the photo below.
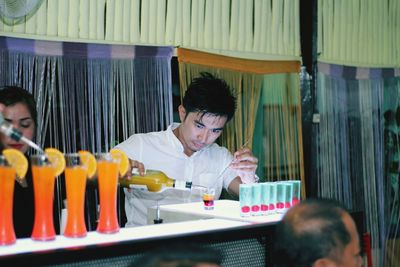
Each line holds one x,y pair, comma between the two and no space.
174,141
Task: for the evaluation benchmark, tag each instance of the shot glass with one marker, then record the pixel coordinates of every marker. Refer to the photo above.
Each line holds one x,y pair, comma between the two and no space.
256,199
208,198
107,170
273,198
7,181
245,199
43,175
75,185
284,196
296,196
265,191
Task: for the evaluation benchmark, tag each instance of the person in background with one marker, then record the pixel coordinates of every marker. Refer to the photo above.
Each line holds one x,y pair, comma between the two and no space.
187,150
181,255
19,109
316,233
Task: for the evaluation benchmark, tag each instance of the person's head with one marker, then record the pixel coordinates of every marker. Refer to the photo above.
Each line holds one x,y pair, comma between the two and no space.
20,111
181,255
317,233
207,106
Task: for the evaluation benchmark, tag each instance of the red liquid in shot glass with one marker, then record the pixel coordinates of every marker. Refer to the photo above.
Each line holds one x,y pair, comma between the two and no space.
208,200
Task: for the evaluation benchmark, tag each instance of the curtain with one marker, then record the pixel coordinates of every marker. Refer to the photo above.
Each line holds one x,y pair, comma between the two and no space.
359,33
244,78
391,130
107,92
90,96
224,25
357,100
268,112
282,129
351,145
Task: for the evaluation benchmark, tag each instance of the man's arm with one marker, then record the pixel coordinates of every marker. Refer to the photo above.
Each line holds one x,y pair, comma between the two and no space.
233,187
245,163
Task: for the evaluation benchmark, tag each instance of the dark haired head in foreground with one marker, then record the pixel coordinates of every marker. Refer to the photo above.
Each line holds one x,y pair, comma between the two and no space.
317,233
181,255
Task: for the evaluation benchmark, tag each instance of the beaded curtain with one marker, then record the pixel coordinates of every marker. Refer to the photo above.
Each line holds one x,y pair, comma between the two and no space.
90,96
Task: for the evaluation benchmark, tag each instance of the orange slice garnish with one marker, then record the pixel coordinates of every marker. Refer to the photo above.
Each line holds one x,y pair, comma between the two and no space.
120,155
56,158
89,161
17,160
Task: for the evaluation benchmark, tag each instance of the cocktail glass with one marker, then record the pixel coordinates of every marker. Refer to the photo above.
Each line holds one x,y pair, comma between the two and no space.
75,185
7,181
208,198
43,174
107,173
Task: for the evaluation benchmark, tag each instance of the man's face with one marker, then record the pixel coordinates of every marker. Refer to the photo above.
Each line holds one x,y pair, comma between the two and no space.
351,253
198,131
349,256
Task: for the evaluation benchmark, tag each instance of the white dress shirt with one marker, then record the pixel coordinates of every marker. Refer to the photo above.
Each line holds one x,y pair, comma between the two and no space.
163,151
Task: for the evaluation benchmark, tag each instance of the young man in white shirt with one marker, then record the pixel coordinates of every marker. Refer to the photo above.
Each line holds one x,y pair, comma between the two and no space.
187,150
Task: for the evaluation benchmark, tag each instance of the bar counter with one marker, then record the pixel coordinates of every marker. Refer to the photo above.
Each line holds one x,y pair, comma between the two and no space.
224,209
241,243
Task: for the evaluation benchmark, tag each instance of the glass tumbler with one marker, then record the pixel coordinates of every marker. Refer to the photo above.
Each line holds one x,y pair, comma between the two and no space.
107,171
7,181
75,184
43,175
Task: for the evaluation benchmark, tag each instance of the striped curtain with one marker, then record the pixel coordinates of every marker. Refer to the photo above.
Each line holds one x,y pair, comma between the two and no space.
357,98
352,166
391,137
246,87
359,33
282,137
90,96
112,89
268,112
223,25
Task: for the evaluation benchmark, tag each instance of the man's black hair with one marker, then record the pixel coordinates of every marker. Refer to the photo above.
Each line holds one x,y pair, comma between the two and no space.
179,255
209,94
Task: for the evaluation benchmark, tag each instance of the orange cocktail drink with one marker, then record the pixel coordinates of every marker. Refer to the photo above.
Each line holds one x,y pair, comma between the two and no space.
7,180
43,174
107,171
75,185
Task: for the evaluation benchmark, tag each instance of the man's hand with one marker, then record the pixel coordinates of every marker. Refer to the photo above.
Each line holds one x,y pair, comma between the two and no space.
245,163
138,165
134,164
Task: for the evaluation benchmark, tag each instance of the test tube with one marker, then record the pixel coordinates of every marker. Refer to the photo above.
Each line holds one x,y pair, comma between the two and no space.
256,199
273,200
265,189
296,194
245,195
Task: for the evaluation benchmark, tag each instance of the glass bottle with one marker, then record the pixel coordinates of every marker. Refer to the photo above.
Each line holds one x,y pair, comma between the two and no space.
153,181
